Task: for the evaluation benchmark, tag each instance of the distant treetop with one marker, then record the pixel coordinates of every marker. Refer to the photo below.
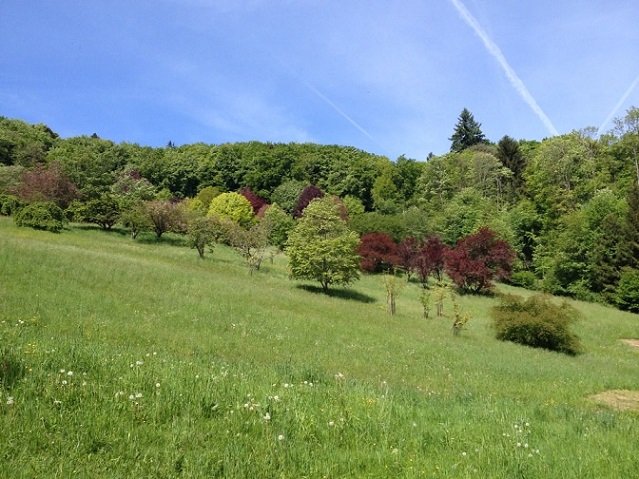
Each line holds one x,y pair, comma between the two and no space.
467,132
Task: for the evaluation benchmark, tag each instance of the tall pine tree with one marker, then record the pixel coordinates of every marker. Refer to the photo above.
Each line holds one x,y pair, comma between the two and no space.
467,132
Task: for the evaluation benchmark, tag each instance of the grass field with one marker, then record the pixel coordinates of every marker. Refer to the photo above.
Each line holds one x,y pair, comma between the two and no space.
137,359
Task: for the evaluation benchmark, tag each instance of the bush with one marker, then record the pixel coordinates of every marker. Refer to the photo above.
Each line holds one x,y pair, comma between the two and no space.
524,279
10,204
536,322
41,216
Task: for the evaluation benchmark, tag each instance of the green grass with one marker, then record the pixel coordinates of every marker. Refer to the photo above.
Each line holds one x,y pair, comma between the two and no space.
193,368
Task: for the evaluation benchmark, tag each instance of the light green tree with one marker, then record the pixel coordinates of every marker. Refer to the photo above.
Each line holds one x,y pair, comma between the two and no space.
232,206
322,248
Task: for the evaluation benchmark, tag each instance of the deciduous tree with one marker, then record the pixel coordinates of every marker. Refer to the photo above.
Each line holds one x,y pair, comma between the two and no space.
232,206
477,260
378,252
322,248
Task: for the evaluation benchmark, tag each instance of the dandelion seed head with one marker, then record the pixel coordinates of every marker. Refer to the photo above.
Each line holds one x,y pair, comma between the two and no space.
280,437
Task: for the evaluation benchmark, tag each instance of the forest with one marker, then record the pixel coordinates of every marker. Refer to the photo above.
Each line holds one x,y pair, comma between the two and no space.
568,206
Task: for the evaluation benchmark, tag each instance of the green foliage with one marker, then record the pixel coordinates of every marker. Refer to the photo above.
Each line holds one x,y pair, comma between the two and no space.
536,322
353,205
10,204
24,144
103,211
41,216
201,232
90,162
280,224
524,279
375,222
232,206
287,193
206,195
135,217
627,294
322,248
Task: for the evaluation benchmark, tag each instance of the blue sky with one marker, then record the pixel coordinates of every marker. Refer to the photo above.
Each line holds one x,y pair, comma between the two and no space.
389,77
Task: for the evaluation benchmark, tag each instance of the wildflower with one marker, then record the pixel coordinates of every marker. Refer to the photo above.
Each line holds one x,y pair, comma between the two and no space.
139,363
157,385
131,397
464,453
69,373
9,400
138,395
280,437
64,383
267,417
276,398
395,451
62,371
331,423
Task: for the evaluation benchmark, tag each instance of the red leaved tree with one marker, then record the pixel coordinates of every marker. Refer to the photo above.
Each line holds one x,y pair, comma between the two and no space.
378,252
406,254
47,183
256,202
308,194
479,259
429,259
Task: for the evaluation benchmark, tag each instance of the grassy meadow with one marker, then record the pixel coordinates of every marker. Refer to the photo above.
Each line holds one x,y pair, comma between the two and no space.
126,359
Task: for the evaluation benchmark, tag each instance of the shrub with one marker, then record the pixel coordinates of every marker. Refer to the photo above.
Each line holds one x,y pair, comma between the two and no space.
536,322
524,279
41,216
10,204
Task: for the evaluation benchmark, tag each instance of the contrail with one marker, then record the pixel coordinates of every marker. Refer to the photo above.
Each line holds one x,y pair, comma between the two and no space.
341,112
618,105
495,51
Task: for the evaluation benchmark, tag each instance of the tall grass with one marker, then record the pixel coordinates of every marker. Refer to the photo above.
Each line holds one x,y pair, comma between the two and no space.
138,359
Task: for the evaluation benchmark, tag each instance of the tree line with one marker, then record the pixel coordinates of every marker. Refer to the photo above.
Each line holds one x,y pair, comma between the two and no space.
568,206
